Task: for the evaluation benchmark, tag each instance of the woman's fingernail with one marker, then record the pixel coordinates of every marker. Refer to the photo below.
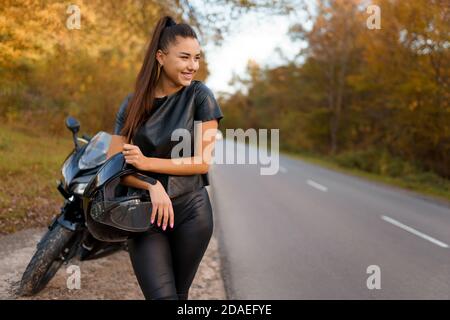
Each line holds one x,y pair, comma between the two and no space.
164,228
171,225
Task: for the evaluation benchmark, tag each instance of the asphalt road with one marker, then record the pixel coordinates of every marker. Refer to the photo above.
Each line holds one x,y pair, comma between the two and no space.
312,233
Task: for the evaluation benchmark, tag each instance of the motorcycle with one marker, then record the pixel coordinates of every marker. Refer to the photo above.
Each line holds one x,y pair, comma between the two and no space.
67,235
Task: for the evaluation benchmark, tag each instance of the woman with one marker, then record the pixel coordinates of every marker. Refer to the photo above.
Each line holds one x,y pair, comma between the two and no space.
166,258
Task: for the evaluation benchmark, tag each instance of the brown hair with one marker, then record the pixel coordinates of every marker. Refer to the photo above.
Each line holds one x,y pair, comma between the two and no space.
141,103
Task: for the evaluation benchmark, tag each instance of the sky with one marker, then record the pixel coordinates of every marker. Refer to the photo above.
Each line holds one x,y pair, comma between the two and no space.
251,38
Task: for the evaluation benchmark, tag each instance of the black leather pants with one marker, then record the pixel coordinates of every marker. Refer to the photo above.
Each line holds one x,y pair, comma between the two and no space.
165,262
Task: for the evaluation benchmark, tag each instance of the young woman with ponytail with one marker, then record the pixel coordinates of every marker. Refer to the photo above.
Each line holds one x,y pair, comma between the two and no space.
166,258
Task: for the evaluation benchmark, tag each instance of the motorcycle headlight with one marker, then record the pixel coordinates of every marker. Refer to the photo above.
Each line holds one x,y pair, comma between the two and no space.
79,188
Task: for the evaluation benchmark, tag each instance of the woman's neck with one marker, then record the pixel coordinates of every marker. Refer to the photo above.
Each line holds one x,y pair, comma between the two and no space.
165,87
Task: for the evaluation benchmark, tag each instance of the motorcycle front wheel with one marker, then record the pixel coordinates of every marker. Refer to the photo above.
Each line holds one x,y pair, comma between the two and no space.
51,252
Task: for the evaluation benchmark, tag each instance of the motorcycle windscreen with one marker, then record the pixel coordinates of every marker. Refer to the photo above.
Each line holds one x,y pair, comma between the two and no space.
96,151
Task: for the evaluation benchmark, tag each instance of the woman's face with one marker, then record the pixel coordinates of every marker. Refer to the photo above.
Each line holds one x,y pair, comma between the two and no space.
181,61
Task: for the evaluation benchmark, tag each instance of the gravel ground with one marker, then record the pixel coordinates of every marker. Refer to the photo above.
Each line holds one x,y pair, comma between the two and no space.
111,277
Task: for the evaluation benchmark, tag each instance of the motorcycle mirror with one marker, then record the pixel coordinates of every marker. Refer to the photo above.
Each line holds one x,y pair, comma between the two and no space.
72,124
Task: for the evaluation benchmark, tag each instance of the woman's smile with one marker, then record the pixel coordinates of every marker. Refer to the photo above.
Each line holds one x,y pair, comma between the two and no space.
187,75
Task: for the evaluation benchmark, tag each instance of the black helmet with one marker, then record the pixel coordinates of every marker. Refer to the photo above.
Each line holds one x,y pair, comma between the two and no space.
111,214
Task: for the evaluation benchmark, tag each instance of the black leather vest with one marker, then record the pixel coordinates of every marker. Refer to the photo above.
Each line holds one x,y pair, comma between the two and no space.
179,110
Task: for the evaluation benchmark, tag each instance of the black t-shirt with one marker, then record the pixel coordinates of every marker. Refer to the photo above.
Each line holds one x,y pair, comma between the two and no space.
158,103
157,136
163,178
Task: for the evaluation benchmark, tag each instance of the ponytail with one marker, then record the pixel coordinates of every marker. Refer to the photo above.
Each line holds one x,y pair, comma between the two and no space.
141,103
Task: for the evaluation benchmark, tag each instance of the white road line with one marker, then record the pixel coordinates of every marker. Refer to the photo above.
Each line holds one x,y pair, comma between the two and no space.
414,231
317,185
283,169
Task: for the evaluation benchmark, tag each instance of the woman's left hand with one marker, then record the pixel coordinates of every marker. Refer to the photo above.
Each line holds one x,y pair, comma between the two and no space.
133,155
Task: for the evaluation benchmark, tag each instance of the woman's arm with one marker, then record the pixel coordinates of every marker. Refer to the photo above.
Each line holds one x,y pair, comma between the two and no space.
198,164
116,146
131,181
190,165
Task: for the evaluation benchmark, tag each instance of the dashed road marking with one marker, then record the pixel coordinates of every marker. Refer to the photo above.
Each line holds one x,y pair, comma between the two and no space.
317,185
414,231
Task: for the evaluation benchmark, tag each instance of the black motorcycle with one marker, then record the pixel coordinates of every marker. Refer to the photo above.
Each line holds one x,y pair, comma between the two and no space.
67,236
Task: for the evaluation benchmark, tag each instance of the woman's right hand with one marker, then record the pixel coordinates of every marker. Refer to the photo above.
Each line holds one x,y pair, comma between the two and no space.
162,208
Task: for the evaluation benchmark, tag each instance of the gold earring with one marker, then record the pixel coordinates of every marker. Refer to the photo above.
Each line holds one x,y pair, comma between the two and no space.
159,71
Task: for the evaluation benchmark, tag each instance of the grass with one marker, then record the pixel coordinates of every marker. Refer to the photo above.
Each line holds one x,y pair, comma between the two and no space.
30,164
424,183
